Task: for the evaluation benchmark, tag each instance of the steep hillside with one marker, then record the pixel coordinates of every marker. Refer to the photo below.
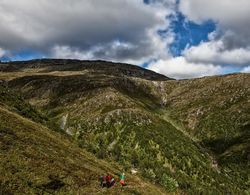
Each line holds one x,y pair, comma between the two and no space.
36,160
216,113
186,135
213,111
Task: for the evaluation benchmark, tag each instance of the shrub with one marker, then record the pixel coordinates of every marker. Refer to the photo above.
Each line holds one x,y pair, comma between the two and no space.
149,173
169,183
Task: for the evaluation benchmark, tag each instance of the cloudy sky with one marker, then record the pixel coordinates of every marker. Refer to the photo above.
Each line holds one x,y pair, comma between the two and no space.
178,38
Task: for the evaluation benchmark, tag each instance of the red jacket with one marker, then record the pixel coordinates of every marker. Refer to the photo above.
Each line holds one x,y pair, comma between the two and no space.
108,178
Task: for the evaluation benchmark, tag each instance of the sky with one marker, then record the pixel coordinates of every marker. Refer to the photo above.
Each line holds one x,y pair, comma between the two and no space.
178,38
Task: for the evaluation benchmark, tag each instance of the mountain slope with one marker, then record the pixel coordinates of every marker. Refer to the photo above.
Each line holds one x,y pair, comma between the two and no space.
34,159
169,130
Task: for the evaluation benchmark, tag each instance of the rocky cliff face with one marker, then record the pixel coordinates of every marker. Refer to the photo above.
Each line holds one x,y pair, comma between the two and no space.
191,135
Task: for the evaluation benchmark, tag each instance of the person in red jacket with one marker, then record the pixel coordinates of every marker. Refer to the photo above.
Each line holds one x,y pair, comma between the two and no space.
108,179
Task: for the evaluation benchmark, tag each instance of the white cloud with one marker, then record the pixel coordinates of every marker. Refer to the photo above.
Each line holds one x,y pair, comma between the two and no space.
100,52
180,68
2,52
83,26
229,44
153,48
226,12
246,70
216,53
232,18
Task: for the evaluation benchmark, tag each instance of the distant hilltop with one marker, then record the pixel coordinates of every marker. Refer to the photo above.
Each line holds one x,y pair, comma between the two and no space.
99,66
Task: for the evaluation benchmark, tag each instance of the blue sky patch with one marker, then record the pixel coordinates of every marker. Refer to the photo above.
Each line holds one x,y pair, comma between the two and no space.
188,33
23,55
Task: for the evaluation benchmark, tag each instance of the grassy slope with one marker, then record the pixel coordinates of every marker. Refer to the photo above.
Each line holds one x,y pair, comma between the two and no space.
208,108
34,159
154,125
216,112
101,112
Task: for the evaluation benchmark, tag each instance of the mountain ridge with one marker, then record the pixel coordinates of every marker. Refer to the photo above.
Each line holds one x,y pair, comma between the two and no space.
74,65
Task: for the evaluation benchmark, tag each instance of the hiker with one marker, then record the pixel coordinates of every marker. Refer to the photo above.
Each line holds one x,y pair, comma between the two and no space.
122,179
112,182
108,179
103,181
